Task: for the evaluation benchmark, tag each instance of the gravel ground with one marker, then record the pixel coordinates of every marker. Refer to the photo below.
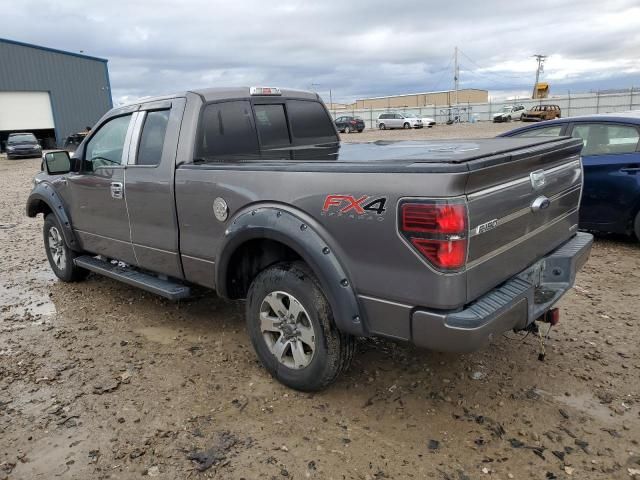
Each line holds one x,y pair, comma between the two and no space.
98,380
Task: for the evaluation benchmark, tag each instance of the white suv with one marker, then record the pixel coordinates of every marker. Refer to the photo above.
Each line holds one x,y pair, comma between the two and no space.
398,120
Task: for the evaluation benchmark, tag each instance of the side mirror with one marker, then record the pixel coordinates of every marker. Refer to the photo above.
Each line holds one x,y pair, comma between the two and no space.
57,162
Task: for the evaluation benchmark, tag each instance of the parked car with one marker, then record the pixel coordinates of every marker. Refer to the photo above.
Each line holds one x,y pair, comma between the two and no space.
428,122
508,113
349,124
541,112
22,145
611,160
252,195
398,120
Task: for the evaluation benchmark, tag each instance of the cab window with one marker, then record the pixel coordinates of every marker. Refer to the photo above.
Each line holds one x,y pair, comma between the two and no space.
152,138
226,130
105,148
272,125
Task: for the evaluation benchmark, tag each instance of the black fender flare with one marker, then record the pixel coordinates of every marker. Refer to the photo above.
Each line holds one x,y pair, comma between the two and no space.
310,241
43,192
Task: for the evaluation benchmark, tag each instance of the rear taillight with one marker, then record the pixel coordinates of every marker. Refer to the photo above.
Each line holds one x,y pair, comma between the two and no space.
437,230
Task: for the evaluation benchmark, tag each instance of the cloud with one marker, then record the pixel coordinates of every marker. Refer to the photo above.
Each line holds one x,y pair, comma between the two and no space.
356,49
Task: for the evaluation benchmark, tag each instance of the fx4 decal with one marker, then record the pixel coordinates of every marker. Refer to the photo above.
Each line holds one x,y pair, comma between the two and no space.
364,206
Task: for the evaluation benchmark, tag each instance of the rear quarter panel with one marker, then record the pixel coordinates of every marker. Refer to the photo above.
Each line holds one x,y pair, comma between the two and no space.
379,263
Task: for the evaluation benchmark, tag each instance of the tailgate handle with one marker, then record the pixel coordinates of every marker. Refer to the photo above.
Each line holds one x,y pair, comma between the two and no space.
630,170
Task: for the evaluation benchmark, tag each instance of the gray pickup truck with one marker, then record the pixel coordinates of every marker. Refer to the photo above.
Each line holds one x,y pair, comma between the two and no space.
248,191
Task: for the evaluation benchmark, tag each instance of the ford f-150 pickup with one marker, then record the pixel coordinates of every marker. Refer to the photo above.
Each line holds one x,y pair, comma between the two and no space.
248,191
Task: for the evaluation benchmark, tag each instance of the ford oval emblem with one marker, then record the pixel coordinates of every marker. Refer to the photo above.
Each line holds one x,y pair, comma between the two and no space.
540,203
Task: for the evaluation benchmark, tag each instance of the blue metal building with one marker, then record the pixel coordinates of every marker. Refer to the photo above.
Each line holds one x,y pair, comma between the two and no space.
50,92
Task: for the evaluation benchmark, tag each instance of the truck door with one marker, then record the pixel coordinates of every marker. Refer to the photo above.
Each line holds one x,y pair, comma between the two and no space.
611,174
149,184
95,194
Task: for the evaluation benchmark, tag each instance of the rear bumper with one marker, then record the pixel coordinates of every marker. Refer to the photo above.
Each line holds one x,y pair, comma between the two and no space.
511,306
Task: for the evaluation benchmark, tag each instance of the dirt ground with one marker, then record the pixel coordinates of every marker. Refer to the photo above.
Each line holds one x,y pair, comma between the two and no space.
99,380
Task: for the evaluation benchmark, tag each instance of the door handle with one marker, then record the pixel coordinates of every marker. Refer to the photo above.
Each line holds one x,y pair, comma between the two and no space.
117,190
630,170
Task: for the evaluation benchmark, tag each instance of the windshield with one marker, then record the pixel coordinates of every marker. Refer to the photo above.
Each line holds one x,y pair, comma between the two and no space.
506,109
22,138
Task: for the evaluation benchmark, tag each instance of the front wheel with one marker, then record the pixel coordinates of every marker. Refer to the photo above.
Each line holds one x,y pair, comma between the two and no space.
406,126
291,326
382,126
636,226
59,254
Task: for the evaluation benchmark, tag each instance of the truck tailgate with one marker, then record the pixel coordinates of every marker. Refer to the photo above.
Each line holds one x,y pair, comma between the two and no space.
522,205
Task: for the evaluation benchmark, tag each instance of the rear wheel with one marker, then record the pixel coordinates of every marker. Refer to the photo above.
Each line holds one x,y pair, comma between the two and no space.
382,126
406,125
60,256
292,330
636,226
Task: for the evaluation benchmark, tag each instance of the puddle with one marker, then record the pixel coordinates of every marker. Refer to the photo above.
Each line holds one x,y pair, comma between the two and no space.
26,295
166,335
585,403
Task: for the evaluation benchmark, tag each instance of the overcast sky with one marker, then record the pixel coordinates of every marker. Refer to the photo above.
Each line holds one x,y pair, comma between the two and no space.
356,49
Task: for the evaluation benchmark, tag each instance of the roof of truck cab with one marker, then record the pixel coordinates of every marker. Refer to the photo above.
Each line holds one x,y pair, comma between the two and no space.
223,93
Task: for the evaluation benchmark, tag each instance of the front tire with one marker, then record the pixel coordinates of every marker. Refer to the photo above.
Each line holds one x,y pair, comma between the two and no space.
291,326
406,126
382,126
636,226
60,256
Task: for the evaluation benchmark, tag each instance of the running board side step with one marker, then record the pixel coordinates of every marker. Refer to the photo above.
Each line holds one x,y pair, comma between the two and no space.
131,276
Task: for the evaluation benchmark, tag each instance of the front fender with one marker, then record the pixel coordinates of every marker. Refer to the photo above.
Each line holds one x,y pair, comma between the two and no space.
44,199
311,242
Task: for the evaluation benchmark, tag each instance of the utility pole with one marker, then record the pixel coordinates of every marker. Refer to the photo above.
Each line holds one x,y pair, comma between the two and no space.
540,59
456,75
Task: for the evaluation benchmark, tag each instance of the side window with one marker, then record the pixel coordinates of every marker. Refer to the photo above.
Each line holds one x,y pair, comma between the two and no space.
152,138
226,129
105,147
601,139
272,125
552,131
310,120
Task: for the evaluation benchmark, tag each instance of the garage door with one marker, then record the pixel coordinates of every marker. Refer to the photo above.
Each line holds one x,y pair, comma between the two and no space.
25,111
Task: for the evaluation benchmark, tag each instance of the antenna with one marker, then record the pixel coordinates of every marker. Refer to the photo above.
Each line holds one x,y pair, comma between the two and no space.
456,75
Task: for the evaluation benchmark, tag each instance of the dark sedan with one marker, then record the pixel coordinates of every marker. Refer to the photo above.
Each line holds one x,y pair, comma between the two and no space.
349,124
23,145
611,160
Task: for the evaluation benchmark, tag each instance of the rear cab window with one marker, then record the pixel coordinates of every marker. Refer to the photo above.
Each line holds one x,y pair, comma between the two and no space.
242,129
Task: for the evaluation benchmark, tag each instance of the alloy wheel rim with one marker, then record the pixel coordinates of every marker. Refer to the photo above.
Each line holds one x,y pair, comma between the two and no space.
287,330
56,247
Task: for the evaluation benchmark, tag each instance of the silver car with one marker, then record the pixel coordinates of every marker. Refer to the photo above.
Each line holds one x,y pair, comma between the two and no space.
398,120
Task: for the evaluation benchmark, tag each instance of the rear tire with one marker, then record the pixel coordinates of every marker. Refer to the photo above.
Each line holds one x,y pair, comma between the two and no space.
60,256
292,329
636,226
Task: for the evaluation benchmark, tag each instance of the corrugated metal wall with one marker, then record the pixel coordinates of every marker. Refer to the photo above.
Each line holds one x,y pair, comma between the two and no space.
78,85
